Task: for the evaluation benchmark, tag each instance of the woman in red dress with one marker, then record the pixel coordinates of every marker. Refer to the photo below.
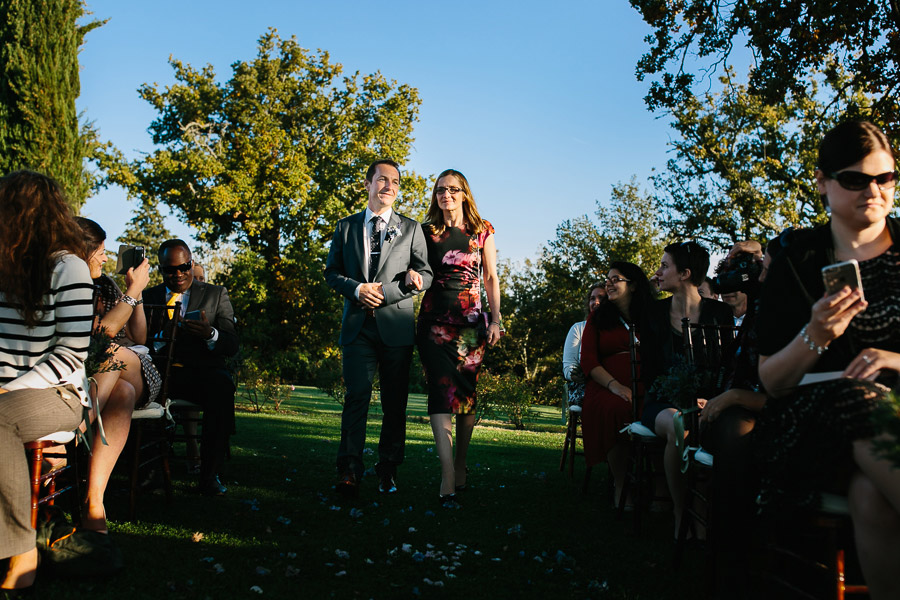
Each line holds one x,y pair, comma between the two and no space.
606,359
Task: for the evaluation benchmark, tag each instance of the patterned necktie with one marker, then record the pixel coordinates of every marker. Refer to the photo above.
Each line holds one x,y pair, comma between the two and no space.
176,297
375,246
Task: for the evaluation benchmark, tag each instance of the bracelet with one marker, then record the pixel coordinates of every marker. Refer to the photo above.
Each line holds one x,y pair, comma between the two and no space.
609,383
820,350
132,302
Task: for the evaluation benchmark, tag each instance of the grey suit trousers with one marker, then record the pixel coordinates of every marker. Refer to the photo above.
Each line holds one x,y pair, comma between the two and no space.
26,415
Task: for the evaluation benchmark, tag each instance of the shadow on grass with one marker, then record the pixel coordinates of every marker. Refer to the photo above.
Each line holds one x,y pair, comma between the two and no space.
525,530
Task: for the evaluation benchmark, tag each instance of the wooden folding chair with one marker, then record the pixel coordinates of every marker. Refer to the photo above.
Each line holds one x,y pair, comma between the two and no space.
44,487
152,426
646,451
709,349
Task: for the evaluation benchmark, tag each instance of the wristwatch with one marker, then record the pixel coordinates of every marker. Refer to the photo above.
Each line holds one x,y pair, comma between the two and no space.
132,302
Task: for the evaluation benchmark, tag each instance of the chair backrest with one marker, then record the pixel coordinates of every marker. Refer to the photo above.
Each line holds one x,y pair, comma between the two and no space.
162,331
710,349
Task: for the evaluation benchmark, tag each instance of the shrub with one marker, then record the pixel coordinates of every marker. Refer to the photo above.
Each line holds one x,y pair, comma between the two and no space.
507,395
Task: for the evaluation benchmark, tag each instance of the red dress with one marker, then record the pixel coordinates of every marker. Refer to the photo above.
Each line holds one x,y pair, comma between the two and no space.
603,413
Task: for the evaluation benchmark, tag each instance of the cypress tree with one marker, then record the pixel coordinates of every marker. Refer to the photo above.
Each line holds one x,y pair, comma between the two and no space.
39,126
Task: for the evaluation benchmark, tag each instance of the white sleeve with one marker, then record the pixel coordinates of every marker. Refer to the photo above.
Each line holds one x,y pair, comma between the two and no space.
572,350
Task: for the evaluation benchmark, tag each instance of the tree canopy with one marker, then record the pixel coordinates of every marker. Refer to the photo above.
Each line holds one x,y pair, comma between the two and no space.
39,126
787,41
269,161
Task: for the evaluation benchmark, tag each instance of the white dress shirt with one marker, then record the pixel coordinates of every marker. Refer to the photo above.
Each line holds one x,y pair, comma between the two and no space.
367,234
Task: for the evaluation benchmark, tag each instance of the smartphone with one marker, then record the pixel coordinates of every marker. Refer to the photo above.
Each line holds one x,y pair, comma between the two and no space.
838,275
193,315
129,257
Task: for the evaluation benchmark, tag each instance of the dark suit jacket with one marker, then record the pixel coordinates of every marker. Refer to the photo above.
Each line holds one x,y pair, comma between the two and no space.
190,350
404,248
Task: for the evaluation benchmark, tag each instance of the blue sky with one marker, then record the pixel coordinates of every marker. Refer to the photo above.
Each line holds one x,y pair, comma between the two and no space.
536,102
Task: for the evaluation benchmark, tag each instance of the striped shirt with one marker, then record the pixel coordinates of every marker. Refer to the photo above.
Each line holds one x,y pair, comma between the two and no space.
52,353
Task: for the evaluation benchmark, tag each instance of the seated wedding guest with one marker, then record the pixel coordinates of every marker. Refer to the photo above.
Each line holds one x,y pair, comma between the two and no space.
199,273
726,422
45,327
606,359
571,360
819,437
118,391
706,290
199,372
682,269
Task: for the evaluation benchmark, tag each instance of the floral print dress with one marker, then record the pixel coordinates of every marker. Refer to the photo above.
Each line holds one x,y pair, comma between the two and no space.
452,332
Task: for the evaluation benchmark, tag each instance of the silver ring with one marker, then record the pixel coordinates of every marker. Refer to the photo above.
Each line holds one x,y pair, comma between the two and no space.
867,359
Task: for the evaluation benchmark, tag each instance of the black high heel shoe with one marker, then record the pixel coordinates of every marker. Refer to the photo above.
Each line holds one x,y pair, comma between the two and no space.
448,501
464,487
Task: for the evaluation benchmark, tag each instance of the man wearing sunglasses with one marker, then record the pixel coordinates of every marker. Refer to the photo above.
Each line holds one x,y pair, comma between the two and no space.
369,263
198,372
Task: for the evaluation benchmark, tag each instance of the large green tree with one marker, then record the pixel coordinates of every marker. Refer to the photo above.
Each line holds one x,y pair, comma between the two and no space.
39,126
742,168
269,161
695,39
542,299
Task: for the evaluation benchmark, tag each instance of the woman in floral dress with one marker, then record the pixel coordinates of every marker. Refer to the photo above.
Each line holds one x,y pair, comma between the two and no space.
453,331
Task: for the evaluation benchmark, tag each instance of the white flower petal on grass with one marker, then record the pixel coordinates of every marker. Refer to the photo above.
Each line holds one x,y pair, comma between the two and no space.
218,568
342,554
256,589
340,573
262,571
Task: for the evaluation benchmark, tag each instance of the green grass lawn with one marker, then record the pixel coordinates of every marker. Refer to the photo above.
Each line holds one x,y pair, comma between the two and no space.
524,531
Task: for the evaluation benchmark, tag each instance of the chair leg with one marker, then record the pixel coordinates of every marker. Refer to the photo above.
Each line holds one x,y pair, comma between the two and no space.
587,479
135,468
37,457
565,451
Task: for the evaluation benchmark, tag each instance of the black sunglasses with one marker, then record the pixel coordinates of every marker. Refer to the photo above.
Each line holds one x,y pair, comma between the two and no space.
856,181
171,270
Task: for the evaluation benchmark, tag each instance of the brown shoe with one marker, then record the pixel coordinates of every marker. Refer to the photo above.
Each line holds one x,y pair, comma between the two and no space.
348,485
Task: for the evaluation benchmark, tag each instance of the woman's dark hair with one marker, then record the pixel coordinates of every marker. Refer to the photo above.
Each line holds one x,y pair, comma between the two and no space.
587,297
93,233
690,255
35,224
849,143
607,314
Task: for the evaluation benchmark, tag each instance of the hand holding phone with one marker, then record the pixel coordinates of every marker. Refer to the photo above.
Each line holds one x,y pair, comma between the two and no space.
130,257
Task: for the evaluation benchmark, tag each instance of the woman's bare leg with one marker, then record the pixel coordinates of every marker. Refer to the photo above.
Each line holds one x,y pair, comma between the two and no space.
664,427
465,424
617,458
115,409
21,570
442,428
876,528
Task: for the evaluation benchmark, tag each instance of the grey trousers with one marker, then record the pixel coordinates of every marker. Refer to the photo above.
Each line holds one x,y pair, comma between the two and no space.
26,415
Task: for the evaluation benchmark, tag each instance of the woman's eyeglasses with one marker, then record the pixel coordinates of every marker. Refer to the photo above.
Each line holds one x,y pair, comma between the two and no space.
453,190
171,270
856,181
616,279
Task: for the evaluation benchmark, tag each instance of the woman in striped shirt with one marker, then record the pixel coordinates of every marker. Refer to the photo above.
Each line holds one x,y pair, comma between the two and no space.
45,325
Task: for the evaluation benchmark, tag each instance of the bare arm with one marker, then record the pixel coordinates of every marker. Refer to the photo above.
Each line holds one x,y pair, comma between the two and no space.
492,287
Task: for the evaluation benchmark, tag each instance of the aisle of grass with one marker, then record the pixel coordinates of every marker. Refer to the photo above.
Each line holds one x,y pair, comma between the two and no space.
524,530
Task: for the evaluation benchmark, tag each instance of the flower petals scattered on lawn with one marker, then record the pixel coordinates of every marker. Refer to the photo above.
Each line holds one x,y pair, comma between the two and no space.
355,513
291,571
218,568
262,571
342,554
283,520
256,589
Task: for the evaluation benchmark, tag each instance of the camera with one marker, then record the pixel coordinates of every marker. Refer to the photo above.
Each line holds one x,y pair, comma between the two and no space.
740,273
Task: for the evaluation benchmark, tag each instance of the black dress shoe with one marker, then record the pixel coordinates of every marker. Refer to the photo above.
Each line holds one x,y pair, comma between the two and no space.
348,485
213,487
449,501
386,484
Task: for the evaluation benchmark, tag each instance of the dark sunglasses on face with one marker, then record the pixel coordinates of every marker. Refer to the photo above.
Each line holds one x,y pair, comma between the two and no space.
856,181
171,270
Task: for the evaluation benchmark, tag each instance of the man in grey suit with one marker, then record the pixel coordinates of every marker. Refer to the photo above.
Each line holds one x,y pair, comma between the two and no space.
369,263
199,371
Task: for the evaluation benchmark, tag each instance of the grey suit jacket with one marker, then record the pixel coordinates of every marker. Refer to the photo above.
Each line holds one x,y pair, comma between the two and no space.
404,248
213,299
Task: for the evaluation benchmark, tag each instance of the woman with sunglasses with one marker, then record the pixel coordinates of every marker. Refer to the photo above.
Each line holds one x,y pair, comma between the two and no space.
606,359
45,327
682,269
818,437
118,391
452,333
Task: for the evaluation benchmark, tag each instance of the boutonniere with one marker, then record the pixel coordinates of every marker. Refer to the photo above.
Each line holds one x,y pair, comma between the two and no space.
392,232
